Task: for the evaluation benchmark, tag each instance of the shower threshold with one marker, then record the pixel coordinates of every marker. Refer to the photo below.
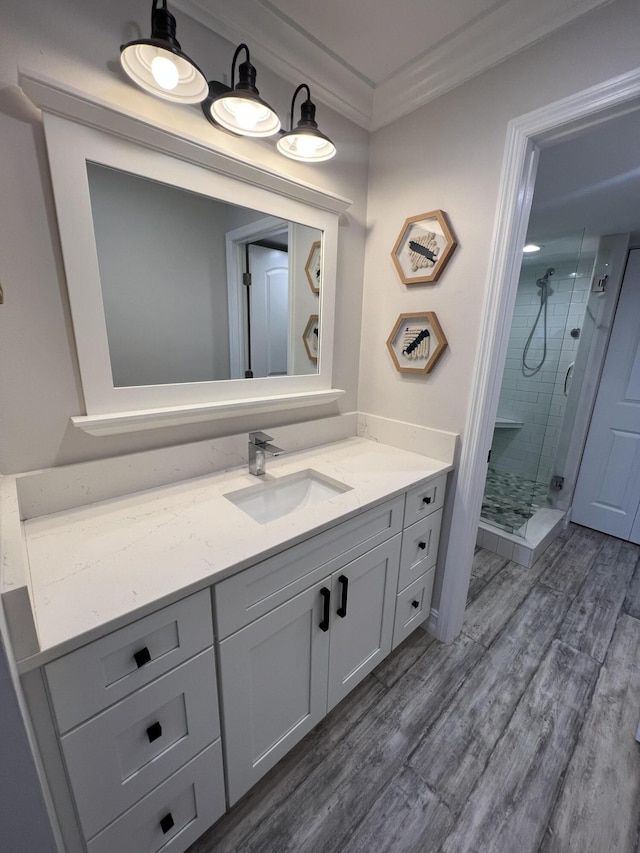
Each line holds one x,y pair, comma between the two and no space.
529,542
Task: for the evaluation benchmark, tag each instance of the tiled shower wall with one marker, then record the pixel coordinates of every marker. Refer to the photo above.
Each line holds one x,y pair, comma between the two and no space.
538,401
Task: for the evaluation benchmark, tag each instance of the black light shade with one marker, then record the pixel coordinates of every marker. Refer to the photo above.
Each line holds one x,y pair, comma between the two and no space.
306,142
239,108
159,66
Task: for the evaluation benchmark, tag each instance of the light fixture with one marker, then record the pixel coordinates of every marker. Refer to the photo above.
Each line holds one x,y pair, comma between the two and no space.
306,142
159,66
531,247
239,108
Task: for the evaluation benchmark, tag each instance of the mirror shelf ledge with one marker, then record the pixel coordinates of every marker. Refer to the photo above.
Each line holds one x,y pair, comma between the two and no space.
121,422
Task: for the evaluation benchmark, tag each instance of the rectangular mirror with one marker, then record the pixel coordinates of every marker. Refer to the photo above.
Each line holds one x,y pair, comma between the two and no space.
196,289
199,286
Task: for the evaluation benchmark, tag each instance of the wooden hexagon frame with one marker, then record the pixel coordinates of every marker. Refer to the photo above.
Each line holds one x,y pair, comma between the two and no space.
310,337
423,247
416,339
313,267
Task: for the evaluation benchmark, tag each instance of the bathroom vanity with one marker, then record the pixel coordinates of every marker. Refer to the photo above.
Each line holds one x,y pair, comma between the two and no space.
183,647
178,624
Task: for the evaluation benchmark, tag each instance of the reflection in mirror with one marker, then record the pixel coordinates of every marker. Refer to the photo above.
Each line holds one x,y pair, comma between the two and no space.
195,289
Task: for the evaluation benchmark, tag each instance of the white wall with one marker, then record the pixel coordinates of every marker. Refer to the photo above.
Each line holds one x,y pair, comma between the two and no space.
77,43
163,270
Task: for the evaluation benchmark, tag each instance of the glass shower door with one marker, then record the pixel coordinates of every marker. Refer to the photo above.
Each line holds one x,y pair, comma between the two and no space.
550,302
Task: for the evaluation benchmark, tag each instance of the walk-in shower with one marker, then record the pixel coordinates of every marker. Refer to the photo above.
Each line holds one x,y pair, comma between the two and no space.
534,387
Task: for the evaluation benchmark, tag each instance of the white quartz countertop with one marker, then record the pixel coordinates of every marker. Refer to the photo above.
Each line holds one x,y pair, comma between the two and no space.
98,566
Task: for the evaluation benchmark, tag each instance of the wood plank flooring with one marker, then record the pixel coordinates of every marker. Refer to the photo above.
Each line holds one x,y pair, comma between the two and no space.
519,736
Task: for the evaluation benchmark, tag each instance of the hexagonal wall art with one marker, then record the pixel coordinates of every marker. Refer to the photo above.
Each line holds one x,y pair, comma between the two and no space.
416,342
423,248
310,337
313,267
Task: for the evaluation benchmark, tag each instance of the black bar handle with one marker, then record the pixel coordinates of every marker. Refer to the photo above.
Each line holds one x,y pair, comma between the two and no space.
167,823
426,500
142,656
326,594
422,545
154,732
342,610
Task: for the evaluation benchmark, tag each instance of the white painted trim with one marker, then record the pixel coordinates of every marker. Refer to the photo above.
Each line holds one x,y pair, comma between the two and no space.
287,52
295,55
67,102
112,424
524,136
489,41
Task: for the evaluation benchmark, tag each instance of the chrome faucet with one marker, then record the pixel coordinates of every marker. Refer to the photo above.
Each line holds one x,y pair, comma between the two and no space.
258,448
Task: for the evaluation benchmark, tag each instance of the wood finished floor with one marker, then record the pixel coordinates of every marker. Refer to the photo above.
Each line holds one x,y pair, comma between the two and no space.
517,737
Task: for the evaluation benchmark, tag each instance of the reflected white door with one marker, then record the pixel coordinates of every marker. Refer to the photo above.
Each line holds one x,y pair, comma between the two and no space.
269,270
607,495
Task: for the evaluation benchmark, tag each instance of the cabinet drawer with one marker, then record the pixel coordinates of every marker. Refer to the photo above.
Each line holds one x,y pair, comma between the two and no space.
259,589
419,548
119,756
413,606
424,499
97,675
191,800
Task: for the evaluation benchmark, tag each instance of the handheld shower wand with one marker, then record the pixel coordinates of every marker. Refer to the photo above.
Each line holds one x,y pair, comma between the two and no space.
543,284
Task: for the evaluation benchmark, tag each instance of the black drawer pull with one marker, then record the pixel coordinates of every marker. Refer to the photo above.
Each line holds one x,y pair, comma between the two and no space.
342,610
154,732
141,657
326,594
415,604
167,823
426,500
422,545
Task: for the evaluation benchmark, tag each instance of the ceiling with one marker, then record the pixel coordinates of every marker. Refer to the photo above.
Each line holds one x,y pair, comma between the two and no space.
376,60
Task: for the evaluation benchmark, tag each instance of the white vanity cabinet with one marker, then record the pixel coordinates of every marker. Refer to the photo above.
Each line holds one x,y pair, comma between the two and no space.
420,540
137,716
136,712
282,672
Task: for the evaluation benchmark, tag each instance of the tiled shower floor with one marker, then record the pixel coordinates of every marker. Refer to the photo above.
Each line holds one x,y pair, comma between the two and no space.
510,500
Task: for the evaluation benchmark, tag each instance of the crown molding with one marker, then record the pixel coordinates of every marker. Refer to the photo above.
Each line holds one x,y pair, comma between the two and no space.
287,52
473,50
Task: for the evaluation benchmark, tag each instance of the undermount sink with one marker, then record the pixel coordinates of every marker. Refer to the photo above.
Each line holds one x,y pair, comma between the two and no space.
276,497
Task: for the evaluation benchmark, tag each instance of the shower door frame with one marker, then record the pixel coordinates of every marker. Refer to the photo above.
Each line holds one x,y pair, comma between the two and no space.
526,135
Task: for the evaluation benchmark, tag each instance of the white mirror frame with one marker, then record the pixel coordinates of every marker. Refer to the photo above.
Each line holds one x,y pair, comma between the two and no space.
79,129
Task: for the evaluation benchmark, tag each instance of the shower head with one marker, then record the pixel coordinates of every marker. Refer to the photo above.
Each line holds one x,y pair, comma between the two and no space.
541,282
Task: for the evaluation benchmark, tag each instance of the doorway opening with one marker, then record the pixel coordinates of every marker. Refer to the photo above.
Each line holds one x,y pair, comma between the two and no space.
527,136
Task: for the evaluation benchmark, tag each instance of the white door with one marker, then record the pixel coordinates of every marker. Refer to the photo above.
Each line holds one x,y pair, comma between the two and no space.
269,335
607,493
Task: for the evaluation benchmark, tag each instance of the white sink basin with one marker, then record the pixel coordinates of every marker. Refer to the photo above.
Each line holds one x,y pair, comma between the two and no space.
273,498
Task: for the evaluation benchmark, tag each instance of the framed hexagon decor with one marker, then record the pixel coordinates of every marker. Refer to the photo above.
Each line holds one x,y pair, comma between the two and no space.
313,267
416,342
423,248
310,337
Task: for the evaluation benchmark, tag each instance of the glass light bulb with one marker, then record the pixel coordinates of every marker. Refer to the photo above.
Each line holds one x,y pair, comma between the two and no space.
306,145
165,72
246,113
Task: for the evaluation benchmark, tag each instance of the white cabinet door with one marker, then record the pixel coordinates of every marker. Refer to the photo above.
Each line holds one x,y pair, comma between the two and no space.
273,675
607,493
363,599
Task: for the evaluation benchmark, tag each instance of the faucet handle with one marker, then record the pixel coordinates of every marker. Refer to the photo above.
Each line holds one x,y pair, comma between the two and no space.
259,438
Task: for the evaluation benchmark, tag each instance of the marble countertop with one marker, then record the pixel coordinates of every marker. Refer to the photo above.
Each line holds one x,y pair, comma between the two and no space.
105,563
